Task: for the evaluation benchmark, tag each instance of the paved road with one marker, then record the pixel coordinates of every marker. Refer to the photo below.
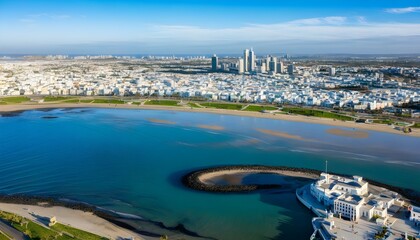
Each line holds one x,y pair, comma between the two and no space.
10,231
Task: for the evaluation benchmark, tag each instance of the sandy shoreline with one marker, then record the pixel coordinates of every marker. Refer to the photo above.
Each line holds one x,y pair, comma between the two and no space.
207,177
285,117
86,221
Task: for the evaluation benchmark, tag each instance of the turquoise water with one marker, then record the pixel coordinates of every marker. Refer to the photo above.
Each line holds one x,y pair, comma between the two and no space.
120,160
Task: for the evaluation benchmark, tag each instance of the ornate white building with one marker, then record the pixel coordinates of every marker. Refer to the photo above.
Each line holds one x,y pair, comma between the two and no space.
350,197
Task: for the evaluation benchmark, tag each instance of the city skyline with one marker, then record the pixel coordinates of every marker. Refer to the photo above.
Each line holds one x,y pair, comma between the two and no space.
174,27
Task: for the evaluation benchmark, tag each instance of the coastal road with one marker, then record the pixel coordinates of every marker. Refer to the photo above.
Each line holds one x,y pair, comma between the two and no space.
10,231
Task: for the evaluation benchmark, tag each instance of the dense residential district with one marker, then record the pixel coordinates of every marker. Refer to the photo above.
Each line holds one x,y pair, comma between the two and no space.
358,84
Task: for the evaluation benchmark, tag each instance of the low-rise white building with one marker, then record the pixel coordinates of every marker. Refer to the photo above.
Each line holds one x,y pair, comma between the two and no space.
350,198
414,214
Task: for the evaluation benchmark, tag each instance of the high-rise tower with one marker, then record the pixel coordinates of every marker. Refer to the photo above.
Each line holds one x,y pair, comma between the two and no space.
252,61
246,60
214,63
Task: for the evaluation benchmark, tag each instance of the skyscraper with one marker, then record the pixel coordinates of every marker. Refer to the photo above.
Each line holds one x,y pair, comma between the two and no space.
267,62
273,64
280,67
252,61
291,69
214,63
246,60
241,65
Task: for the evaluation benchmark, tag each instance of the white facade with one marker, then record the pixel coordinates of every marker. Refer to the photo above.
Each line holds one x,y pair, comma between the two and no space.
350,198
246,60
414,214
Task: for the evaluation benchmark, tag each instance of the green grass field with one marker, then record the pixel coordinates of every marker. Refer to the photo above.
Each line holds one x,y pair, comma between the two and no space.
20,99
256,108
79,234
76,100
193,105
416,125
56,98
162,102
36,231
3,237
108,101
316,113
383,121
223,106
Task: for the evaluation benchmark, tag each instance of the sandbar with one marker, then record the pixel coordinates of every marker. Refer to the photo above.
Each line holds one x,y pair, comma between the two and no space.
155,120
348,133
282,134
211,127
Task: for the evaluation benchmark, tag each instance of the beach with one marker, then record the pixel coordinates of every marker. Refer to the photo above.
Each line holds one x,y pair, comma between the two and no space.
86,221
285,117
207,178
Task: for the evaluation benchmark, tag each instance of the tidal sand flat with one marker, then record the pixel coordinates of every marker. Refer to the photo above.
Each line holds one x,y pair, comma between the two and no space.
348,133
283,134
162,121
211,127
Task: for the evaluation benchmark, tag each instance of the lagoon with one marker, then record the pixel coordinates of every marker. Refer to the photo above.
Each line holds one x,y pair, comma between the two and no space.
132,161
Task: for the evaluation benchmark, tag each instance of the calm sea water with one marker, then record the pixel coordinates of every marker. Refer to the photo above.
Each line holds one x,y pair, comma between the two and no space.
120,160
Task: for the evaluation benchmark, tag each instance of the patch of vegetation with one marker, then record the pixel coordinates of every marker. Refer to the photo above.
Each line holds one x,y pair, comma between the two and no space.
108,101
79,234
381,234
256,108
383,121
36,231
55,98
19,99
416,125
230,106
162,102
193,105
72,101
316,113
3,237
85,100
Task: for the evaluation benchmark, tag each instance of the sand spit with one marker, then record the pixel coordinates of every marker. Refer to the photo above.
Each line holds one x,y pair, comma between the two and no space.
283,135
348,133
211,127
155,120
203,180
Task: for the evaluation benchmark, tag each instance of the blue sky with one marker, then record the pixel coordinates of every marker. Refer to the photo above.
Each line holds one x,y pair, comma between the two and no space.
205,27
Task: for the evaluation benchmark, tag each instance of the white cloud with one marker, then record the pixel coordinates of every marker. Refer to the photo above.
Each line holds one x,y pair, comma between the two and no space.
361,19
315,29
334,20
403,10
